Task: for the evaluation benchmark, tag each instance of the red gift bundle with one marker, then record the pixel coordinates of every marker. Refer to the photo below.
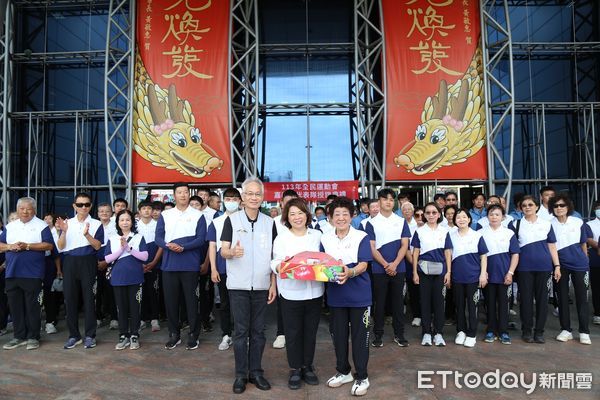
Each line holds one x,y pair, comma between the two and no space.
311,266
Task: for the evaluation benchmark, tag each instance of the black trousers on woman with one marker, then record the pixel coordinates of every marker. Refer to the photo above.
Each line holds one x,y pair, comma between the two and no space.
466,297
497,298
534,284
301,322
431,296
580,281
354,322
594,284
129,305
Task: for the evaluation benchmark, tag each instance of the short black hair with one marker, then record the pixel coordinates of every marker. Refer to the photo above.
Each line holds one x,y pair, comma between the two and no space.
547,189
82,194
213,194
450,207
290,193
564,197
203,189
450,193
103,204
332,197
385,192
180,184
341,202
403,196
439,196
495,196
133,221
232,192
432,204
462,209
121,200
319,208
493,207
158,205
169,203
476,195
198,199
144,203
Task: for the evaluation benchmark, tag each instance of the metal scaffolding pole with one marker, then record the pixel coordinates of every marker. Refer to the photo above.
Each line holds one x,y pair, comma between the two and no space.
118,95
6,99
244,88
499,88
369,94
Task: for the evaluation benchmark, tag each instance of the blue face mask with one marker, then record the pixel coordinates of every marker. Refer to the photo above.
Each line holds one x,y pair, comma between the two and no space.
597,213
231,206
321,217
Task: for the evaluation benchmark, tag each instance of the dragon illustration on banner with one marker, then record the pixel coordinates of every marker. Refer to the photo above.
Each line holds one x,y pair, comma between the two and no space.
453,124
164,131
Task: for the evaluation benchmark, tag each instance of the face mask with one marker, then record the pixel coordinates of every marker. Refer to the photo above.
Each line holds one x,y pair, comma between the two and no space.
597,213
231,206
321,217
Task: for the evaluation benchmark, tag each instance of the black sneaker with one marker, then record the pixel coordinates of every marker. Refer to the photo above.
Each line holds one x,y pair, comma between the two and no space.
527,338
192,343
539,339
207,327
309,376
400,341
295,381
377,342
173,342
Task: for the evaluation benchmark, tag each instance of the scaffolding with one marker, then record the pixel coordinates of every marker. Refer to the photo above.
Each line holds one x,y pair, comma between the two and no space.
101,156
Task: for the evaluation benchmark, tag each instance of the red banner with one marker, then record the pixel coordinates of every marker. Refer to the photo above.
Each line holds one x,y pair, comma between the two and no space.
434,90
181,114
312,191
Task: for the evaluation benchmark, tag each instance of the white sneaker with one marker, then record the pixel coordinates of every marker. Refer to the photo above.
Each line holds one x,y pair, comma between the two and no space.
279,342
50,328
460,338
123,343
360,387
564,336
114,325
340,379
512,312
596,320
555,312
470,341
225,343
416,322
584,338
426,340
155,325
142,325
438,340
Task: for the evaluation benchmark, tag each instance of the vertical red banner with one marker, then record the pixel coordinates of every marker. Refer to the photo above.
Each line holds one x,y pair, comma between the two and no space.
434,90
181,113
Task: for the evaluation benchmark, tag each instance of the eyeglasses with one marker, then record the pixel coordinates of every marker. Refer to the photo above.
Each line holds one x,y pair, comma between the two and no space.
559,205
81,205
431,212
250,194
528,205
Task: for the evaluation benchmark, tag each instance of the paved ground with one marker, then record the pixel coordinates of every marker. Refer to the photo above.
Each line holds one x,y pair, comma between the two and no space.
206,373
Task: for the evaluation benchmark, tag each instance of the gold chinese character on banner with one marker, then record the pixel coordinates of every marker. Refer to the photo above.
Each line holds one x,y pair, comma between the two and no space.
439,3
187,26
432,57
431,22
188,6
182,59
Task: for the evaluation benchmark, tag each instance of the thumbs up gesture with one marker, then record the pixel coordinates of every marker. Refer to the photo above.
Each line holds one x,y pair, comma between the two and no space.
238,250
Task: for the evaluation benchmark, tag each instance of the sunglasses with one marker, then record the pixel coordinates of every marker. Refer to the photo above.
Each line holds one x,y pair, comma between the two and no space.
559,205
528,205
81,205
431,212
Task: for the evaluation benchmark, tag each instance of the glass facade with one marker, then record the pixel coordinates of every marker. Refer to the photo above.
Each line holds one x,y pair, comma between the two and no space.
306,99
